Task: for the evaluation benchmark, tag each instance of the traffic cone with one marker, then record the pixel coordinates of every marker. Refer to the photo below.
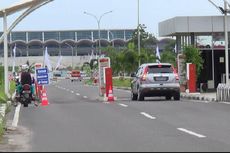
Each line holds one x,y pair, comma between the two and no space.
44,98
110,96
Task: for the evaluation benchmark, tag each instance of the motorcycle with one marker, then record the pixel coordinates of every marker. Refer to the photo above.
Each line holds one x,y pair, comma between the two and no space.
25,97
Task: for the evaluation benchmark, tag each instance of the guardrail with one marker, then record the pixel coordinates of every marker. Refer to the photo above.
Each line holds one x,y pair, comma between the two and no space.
223,93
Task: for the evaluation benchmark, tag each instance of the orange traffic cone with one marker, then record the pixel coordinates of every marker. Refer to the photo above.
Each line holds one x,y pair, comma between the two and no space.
110,96
44,98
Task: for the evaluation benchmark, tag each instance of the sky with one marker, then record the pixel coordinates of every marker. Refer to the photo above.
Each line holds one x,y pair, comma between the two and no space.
69,14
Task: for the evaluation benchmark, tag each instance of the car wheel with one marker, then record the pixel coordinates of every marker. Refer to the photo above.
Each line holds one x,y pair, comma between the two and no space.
140,96
168,97
134,96
177,96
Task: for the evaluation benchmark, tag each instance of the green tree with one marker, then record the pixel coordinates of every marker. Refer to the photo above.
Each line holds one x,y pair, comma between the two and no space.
168,57
193,55
143,36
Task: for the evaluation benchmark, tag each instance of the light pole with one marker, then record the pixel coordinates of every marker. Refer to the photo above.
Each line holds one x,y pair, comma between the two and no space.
225,11
72,52
6,54
138,31
98,24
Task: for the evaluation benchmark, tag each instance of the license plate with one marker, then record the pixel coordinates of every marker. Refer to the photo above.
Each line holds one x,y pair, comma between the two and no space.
161,78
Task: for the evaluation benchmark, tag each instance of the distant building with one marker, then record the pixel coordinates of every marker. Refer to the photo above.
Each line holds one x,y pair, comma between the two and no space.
65,43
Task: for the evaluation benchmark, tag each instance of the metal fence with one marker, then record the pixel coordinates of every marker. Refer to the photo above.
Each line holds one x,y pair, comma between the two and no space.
223,93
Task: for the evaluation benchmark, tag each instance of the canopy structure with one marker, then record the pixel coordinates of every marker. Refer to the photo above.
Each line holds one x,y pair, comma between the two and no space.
29,6
23,4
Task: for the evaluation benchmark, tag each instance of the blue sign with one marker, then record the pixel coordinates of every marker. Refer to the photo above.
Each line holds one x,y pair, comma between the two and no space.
42,76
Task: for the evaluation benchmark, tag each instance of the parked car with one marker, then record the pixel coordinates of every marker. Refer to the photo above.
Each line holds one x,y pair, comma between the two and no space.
57,74
155,80
75,75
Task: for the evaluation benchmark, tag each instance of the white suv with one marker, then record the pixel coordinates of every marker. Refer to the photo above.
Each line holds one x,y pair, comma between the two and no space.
155,80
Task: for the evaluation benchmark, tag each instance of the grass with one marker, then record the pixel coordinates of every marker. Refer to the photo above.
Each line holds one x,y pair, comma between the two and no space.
116,82
3,97
121,82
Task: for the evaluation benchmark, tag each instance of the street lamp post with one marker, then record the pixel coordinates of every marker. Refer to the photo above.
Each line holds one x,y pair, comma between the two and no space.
72,52
138,31
6,54
225,11
98,24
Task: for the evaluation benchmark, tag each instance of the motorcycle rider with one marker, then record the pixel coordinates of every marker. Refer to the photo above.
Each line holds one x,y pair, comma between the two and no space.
25,78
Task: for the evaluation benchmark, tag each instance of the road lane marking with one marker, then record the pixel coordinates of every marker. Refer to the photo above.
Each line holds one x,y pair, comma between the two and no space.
148,116
85,97
191,133
72,91
77,94
16,116
123,105
225,103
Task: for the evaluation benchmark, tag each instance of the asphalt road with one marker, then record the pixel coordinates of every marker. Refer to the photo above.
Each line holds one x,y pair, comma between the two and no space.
77,121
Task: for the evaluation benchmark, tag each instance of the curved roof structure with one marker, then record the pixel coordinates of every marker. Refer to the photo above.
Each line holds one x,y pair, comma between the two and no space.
23,4
35,42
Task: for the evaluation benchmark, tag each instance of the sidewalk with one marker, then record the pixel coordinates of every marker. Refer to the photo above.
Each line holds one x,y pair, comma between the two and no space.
210,97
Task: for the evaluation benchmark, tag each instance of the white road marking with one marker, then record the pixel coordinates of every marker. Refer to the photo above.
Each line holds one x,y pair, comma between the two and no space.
123,105
72,91
192,133
225,103
77,94
85,97
16,116
148,116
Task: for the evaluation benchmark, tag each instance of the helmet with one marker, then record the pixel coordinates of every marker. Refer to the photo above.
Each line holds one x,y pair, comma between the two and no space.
25,68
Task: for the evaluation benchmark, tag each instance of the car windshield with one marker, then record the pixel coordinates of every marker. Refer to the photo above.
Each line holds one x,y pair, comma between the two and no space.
160,69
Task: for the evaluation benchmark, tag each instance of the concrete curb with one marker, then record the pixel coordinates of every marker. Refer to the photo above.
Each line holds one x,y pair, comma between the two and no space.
197,97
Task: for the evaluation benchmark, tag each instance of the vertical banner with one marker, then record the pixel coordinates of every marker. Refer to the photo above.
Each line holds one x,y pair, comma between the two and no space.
103,63
108,80
192,78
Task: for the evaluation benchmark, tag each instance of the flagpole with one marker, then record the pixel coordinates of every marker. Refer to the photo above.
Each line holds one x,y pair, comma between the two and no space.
44,56
14,58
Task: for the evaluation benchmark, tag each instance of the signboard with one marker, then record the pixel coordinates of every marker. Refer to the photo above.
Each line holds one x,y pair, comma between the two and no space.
103,63
42,76
38,65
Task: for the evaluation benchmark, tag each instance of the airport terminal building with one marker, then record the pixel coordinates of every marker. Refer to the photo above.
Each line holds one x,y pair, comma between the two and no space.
206,33
65,43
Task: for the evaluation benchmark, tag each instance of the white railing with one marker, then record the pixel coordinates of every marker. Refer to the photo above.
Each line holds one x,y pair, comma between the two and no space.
223,93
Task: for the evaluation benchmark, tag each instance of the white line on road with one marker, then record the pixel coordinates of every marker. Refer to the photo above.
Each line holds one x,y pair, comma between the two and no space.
192,133
77,94
225,103
148,116
85,97
16,116
123,105
72,91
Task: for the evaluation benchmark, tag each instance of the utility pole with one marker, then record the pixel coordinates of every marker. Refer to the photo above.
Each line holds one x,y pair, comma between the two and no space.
138,32
98,25
225,12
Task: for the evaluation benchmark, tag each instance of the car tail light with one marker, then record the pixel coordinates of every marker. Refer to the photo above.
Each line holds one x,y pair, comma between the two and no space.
176,74
144,76
177,77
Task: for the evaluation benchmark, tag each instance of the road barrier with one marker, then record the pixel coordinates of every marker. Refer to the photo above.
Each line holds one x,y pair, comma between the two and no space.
223,93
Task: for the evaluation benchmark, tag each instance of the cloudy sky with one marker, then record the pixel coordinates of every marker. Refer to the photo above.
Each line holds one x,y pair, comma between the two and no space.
69,14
